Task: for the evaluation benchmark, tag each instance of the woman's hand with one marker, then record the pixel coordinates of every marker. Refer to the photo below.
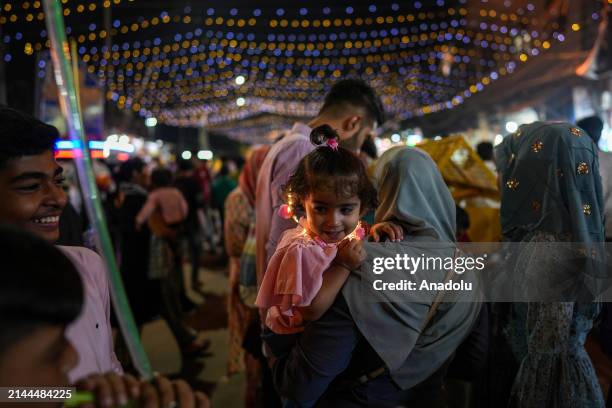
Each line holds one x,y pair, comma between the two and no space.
393,231
350,254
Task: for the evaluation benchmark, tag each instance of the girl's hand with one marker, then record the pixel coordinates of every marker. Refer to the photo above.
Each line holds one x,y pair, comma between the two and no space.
393,231
350,254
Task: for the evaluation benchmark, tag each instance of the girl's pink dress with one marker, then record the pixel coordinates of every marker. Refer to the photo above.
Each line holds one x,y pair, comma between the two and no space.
293,278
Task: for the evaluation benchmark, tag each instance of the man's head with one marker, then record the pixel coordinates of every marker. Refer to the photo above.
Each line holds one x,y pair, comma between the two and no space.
40,294
134,171
353,110
593,125
485,150
161,177
30,179
185,167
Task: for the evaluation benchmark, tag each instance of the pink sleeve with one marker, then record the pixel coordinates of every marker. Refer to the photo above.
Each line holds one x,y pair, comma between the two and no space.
293,278
281,291
147,209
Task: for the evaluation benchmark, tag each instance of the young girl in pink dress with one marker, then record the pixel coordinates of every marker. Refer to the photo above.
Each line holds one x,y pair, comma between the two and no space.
313,260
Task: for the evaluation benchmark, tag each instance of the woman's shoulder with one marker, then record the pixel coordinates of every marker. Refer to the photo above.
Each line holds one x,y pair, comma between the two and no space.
545,236
168,190
236,195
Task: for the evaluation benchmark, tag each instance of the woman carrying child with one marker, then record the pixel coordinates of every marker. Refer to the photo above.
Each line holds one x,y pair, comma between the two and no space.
313,260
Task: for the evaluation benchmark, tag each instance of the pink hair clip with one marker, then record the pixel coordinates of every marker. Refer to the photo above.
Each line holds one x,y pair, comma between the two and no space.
333,143
360,232
285,211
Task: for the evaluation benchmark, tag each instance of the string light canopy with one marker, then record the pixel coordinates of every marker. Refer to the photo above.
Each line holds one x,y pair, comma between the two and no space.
192,63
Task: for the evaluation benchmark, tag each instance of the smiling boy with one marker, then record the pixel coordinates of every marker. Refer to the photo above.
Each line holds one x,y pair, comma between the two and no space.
32,198
37,303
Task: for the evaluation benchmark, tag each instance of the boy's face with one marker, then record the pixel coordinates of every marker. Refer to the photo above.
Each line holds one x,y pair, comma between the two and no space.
32,194
42,358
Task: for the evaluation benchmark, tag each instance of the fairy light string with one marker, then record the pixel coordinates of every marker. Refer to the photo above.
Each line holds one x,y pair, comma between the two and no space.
180,64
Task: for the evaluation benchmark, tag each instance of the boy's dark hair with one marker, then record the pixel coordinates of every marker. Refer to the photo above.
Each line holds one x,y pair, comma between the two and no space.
127,169
324,168
161,177
593,125
39,286
23,135
185,165
355,93
224,170
485,150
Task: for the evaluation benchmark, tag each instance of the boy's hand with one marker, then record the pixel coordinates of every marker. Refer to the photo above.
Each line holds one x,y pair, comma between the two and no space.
112,390
163,393
350,254
393,231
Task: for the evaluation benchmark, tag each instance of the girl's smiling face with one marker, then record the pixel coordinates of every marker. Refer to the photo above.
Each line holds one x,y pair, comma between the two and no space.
331,217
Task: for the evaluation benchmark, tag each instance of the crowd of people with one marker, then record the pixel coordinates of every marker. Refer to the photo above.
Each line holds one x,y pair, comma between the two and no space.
300,225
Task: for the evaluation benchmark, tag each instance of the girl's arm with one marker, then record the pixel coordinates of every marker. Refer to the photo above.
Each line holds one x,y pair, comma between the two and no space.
147,209
333,280
349,257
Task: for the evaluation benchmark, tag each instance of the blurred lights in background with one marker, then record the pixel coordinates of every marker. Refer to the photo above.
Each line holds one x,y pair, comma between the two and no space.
114,144
240,80
186,155
174,65
511,126
150,122
413,140
205,155
605,143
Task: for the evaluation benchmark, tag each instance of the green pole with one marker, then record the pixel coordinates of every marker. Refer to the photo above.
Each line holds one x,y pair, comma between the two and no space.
69,103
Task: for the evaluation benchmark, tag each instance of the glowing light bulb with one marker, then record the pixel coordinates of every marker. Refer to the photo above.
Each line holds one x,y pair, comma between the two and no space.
511,126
